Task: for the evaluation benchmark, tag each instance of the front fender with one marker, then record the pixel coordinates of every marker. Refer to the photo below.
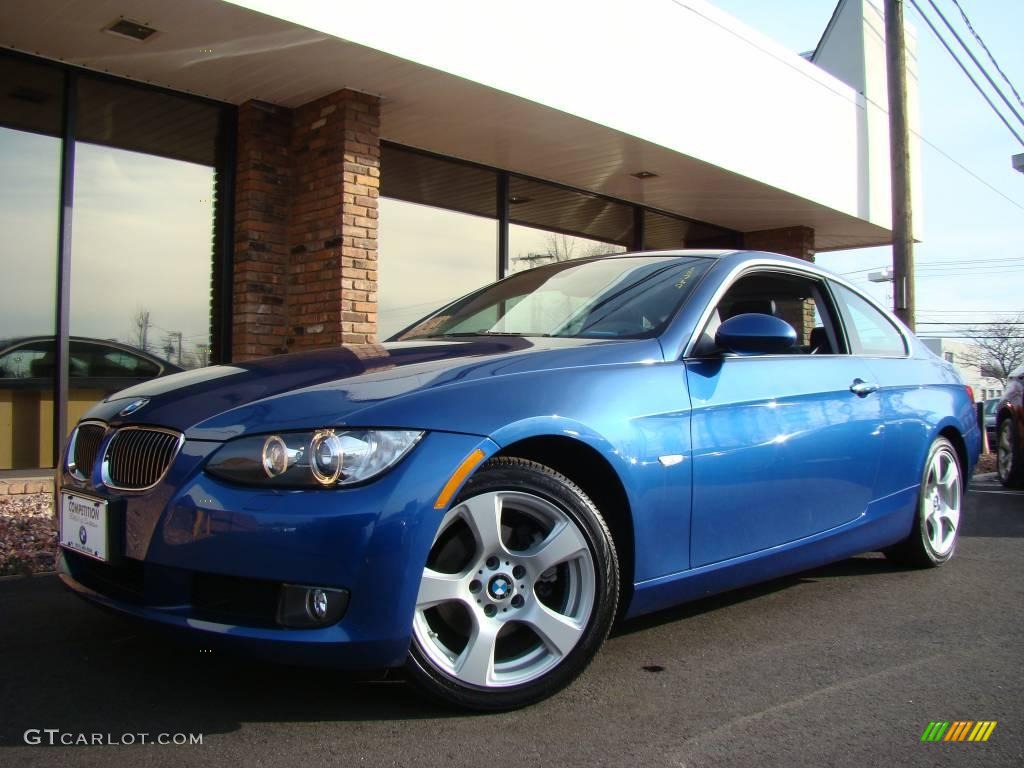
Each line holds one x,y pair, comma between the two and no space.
658,495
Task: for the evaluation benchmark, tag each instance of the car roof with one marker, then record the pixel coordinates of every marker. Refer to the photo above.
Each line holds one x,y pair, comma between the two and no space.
8,344
731,254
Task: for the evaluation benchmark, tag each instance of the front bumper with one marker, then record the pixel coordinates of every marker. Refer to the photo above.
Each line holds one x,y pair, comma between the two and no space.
207,557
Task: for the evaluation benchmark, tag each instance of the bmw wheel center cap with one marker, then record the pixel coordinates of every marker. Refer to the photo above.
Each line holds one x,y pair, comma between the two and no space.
500,587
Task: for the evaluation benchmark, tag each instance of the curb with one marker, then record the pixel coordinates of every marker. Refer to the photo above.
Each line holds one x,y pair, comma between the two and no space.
33,575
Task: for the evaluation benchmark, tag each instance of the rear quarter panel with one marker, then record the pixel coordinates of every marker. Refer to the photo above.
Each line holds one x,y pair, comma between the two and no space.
921,396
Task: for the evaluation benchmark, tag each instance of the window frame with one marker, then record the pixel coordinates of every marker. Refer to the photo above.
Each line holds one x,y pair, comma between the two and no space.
848,323
827,306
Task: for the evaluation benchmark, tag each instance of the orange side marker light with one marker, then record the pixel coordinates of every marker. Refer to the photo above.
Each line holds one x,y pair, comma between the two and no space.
465,468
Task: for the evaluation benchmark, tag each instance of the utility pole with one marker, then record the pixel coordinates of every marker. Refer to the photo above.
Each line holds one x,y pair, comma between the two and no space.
178,335
899,163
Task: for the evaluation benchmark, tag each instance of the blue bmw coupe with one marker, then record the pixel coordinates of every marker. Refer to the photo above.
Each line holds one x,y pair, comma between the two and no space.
480,497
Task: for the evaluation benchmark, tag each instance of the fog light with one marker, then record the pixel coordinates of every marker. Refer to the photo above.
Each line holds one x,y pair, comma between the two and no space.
316,604
307,607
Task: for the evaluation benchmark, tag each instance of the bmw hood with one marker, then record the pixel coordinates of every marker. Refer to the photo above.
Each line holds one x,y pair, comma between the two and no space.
330,387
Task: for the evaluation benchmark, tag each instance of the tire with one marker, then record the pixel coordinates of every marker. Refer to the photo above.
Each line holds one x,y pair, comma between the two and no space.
933,539
518,593
1008,454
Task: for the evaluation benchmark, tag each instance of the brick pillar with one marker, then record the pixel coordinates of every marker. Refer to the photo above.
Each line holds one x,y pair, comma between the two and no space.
360,193
791,241
318,206
262,189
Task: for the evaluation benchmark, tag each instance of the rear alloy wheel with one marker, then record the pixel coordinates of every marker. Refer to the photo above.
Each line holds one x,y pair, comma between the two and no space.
519,589
940,501
1008,454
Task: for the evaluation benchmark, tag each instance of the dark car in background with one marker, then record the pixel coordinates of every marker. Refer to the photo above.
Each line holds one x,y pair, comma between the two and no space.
93,360
96,367
989,412
1009,427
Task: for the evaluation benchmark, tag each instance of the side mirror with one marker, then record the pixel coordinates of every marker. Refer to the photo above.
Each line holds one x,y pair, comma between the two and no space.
755,334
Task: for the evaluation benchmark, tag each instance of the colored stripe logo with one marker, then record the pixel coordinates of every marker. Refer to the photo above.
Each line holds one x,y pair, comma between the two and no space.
959,730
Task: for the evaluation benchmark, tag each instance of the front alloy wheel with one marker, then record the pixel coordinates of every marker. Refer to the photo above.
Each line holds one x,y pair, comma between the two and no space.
518,592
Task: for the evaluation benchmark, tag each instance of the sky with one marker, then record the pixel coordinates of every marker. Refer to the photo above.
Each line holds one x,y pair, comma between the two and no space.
973,206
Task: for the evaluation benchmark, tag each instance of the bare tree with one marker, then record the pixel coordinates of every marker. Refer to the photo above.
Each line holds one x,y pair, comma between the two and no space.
559,247
564,247
998,347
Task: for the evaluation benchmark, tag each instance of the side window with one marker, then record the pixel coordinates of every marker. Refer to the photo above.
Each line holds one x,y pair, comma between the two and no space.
797,299
28,361
117,363
870,331
98,361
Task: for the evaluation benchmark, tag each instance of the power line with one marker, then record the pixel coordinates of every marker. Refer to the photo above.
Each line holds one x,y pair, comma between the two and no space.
967,170
970,77
939,335
954,263
984,47
977,63
948,156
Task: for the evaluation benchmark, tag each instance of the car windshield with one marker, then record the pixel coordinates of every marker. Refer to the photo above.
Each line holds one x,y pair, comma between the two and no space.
621,297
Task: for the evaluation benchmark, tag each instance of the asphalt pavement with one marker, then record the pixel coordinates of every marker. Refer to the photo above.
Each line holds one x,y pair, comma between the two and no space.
843,665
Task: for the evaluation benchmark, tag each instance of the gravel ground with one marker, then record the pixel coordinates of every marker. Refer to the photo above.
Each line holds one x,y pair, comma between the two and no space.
28,538
987,463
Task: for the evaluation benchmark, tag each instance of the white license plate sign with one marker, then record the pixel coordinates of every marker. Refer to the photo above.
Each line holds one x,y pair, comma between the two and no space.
83,525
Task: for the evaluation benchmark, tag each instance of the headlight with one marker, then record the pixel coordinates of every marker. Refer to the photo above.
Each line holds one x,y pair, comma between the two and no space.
321,459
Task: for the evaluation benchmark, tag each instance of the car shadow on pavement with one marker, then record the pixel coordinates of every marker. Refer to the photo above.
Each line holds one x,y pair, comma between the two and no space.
70,666
869,564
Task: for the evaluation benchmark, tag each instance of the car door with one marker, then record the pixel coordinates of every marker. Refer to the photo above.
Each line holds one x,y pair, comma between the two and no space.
912,392
785,446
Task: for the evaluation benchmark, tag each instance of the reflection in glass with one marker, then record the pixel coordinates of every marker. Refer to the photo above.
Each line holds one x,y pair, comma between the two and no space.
664,232
628,298
140,267
530,247
142,248
429,256
428,180
551,224
30,169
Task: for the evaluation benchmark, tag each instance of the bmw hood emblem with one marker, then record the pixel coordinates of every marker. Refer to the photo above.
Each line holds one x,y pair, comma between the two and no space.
133,406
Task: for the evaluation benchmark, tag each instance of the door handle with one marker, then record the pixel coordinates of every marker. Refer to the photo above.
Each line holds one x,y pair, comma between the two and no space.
863,388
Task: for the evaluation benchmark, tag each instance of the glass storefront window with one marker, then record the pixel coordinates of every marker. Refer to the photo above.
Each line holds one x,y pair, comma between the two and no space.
438,235
141,249
428,257
665,232
30,152
550,223
531,247
418,178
